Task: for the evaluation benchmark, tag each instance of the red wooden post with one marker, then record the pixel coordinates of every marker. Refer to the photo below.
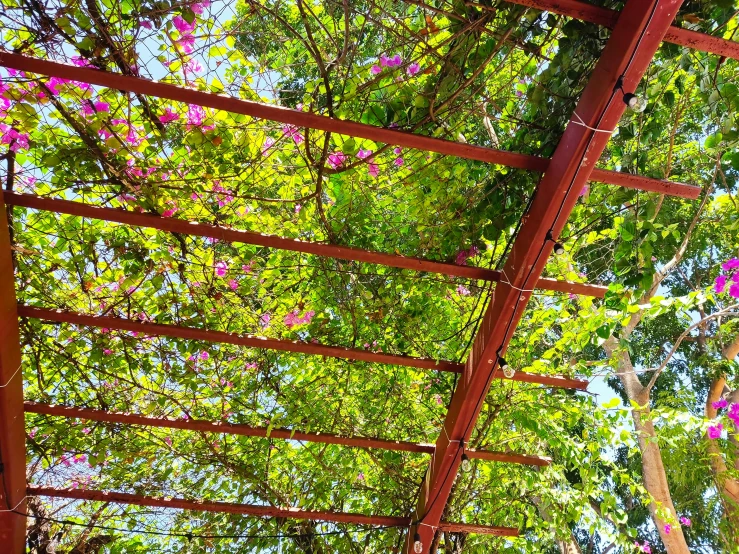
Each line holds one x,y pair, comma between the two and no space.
635,38
12,425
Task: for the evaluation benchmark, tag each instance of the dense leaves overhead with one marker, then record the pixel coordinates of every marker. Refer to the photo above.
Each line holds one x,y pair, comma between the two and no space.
490,74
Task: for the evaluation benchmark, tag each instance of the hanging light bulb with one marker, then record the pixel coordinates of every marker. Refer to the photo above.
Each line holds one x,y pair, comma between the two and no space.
559,249
635,103
509,372
466,465
503,363
417,544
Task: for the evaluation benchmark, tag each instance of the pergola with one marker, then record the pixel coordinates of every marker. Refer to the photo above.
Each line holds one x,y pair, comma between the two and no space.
637,33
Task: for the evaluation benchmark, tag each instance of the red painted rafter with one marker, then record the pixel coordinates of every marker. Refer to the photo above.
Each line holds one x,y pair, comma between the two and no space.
607,18
12,429
258,511
181,226
251,341
324,123
635,39
89,414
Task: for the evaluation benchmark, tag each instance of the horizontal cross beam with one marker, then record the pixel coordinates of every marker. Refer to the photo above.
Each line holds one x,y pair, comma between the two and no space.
259,511
324,123
224,427
252,341
607,18
174,225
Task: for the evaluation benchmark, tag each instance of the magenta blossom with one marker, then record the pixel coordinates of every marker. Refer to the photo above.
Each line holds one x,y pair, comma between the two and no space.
733,414
685,521
720,285
292,132
373,169
714,431
183,26
193,66
336,159
398,161
15,139
293,319
413,69
233,284
195,115
168,440
667,528
169,116
264,320
375,70
200,6
734,290
204,355
187,43
268,143
733,263
364,154
463,291
221,268
721,403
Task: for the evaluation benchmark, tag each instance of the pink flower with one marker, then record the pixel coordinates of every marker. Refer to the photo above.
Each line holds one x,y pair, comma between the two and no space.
463,291
193,66
733,414
86,430
364,154
734,290
733,263
32,432
714,431
398,161
200,6
413,69
720,284
107,351
268,143
195,115
336,159
721,403
644,547
375,70
12,137
293,319
169,116
385,61
204,355
168,440
292,132
584,190
685,521
145,24
264,320
187,43
396,60
169,212
183,26
397,150
360,476
221,268
233,284
667,528
80,62
298,207
373,169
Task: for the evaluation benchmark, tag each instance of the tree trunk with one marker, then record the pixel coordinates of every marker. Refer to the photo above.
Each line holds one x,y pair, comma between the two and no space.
728,487
567,546
653,470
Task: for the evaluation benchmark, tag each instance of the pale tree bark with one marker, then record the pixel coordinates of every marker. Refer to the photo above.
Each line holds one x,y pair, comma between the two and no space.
653,469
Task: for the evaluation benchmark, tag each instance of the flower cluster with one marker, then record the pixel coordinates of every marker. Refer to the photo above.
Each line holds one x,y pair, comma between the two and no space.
729,276
715,430
464,255
293,318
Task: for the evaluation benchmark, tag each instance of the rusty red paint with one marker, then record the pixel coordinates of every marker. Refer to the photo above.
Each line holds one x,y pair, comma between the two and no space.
607,18
314,121
224,427
174,225
252,341
257,511
12,430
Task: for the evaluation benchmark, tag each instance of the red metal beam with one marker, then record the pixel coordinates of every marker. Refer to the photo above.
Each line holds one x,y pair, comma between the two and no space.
286,434
607,18
258,511
12,428
174,225
323,123
635,39
251,341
